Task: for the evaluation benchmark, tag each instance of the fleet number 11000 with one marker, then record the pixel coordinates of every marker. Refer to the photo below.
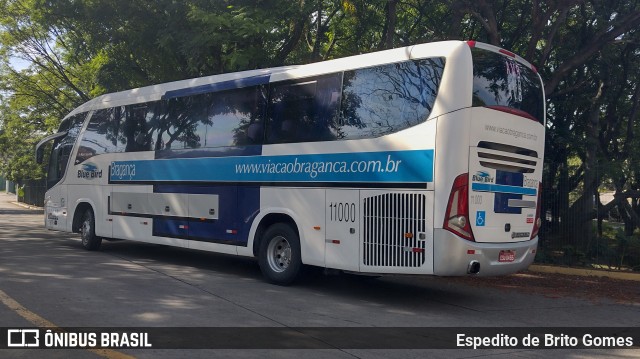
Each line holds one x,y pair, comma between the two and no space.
342,212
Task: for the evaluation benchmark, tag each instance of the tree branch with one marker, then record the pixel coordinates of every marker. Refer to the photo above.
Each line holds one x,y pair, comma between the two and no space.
605,36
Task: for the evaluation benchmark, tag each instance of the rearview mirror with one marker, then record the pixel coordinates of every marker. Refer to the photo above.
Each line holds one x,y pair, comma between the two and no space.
39,154
40,146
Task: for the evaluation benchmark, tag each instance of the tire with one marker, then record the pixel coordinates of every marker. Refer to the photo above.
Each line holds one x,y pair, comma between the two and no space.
279,256
90,241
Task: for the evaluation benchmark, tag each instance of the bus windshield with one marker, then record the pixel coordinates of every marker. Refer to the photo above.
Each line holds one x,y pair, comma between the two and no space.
502,82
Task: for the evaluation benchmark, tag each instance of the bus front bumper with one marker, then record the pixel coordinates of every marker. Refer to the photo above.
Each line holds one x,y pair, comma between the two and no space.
454,256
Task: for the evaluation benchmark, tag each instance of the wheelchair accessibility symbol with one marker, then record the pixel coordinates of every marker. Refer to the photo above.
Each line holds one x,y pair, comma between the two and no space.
480,218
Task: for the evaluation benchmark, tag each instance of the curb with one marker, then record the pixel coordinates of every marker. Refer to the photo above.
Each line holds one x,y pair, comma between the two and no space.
23,205
585,272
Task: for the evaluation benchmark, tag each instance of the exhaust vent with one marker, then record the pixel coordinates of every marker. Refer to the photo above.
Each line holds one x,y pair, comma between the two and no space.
392,229
507,158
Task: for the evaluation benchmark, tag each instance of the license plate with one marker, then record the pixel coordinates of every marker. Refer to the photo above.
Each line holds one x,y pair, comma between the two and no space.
507,256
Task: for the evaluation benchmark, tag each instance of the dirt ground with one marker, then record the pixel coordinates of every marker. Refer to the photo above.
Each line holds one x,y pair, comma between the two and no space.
553,285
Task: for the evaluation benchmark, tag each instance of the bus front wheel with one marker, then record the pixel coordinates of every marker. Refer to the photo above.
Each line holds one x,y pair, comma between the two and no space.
88,232
279,256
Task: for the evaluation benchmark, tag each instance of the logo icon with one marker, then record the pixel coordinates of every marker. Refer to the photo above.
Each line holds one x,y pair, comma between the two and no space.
483,177
90,167
23,338
89,171
480,218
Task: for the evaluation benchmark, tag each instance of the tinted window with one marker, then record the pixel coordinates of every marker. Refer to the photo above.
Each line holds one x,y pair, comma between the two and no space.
176,124
384,99
135,128
235,118
501,81
101,135
304,110
62,148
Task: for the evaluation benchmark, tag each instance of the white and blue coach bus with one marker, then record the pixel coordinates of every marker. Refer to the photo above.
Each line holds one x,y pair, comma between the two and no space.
425,159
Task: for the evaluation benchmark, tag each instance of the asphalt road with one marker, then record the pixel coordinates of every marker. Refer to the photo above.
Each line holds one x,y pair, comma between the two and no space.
48,280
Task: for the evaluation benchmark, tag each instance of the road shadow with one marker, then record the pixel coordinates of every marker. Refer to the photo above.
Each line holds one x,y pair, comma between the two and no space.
407,291
18,212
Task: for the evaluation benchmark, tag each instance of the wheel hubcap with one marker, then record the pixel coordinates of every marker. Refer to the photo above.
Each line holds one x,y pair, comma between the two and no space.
86,227
279,254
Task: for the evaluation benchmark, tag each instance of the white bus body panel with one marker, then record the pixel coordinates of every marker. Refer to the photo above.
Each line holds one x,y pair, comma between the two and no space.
451,143
55,209
452,255
460,132
306,207
130,203
342,229
523,135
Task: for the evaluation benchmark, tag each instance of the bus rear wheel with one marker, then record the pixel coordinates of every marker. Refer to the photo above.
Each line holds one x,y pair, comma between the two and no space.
90,241
279,256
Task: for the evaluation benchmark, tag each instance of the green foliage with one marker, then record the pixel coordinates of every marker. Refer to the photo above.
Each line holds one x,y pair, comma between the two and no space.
16,150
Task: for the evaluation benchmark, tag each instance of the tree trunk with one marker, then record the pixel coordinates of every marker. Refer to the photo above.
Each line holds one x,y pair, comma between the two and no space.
584,207
389,29
315,54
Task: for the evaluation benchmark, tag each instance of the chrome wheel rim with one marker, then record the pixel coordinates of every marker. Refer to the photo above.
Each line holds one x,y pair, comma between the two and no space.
279,254
86,227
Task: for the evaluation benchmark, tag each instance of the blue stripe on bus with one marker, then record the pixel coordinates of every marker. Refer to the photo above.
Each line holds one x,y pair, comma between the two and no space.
498,188
415,166
218,86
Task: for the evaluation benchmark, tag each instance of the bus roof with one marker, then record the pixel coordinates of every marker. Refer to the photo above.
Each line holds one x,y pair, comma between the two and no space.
155,92
199,85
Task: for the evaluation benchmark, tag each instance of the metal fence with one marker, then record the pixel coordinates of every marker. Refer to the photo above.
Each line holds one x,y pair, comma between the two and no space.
608,241
32,192
10,187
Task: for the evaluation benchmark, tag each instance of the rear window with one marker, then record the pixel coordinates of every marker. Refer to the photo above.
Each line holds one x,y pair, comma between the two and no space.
500,81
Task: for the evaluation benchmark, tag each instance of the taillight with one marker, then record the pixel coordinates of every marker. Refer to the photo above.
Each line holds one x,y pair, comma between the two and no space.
508,53
537,222
456,217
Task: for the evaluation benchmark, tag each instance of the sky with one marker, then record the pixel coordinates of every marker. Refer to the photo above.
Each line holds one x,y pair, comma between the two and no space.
18,64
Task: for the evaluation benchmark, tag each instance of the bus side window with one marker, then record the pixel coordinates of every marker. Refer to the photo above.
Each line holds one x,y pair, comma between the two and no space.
235,118
101,135
305,110
135,131
385,99
180,123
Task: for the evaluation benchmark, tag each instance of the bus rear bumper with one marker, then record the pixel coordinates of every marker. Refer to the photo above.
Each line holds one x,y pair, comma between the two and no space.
454,256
